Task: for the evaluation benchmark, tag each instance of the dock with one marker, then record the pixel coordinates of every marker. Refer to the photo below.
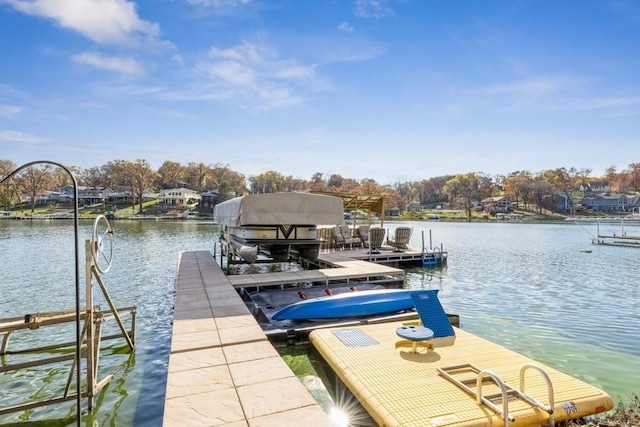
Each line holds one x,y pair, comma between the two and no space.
335,267
223,367
384,257
443,383
617,239
614,240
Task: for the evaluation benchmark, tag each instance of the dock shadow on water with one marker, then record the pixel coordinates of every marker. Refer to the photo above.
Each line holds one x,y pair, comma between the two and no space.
324,385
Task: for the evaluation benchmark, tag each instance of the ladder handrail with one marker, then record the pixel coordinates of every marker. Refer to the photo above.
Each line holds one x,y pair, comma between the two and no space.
503,389
549,409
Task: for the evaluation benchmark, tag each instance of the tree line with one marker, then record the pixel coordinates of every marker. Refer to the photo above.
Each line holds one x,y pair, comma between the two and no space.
459,191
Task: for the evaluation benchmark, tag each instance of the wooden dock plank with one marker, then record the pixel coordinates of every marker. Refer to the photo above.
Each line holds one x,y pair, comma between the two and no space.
343,269
222,368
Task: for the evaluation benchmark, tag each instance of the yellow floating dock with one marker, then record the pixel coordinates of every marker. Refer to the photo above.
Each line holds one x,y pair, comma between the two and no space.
439,387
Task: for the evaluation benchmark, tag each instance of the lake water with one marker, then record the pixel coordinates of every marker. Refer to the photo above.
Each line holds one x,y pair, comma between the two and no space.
533,288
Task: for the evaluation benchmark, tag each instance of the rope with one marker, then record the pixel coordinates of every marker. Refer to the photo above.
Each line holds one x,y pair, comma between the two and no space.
593,237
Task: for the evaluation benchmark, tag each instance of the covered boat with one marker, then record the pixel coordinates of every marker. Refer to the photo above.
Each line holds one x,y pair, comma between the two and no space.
277,224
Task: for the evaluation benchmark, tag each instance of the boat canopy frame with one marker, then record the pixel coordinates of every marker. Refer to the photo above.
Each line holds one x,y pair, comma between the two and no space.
372,203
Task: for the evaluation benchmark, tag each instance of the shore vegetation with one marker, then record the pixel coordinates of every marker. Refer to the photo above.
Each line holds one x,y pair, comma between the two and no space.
547,194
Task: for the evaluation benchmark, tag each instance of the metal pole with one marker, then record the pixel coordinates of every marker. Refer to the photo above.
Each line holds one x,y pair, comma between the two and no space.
76,227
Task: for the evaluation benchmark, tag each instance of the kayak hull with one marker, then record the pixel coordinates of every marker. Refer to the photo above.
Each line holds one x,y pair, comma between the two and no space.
350,304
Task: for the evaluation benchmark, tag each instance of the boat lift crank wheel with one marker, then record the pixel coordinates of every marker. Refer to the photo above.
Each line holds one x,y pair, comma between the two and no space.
102,244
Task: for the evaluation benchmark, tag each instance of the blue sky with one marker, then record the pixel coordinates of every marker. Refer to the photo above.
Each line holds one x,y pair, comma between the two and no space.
392,90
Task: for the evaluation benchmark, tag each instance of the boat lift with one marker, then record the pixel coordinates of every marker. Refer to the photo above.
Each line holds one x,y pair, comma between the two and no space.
99,253
98,257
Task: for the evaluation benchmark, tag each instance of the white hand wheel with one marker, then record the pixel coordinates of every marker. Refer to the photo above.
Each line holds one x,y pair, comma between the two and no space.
102,244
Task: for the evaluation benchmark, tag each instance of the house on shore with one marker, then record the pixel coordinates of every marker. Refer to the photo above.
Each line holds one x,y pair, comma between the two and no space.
178,196
497,204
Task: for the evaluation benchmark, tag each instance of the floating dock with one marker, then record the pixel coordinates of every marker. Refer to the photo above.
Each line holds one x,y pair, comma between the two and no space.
438,387
613,240
223,367
384,257
617,239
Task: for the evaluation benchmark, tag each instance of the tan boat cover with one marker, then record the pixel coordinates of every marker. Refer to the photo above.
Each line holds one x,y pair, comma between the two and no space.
280,208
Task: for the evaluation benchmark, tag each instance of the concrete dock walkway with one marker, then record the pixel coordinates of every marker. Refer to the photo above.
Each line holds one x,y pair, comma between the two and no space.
223,371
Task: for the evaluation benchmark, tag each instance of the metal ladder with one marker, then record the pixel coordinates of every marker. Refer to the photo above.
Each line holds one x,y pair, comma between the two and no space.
505,393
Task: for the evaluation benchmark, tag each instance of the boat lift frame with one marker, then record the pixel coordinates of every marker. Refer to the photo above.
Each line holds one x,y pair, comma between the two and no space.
91,334
98,257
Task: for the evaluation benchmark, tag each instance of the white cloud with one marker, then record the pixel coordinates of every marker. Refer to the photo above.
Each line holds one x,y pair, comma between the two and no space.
16,136
8,111
243,53
255,76
113,63
233,72
372,9
103,21
217,4
277,97
345,27
628,104
551,93
534,87
295,72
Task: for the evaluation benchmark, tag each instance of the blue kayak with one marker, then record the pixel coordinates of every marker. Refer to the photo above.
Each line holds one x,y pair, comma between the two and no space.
348,304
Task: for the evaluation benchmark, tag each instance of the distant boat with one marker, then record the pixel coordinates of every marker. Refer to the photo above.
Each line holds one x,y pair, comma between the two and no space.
349,304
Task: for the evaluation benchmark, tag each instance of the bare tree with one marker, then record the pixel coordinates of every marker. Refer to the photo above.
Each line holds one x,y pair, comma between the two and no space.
36,180
542,189
170,173
634,174
405,194
462,189
317,182
519,187
430,191
267,182
137,177
613,177
227,181
9,190
295,184
97,176
62,178
198,176
141,177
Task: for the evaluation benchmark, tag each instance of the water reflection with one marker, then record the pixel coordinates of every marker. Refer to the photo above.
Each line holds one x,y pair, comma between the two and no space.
425,277
530,287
